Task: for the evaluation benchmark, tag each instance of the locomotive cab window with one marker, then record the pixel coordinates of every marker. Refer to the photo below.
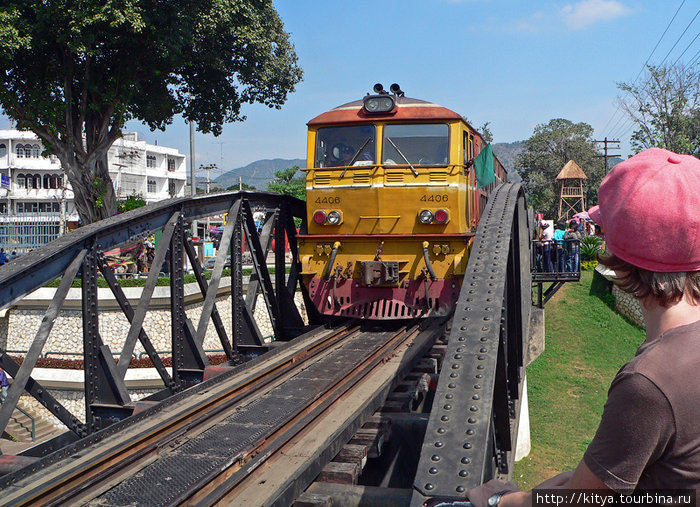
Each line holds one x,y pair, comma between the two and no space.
345,146
419,144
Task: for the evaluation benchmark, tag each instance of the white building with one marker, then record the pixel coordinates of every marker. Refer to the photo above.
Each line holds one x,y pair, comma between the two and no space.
151,171
36,199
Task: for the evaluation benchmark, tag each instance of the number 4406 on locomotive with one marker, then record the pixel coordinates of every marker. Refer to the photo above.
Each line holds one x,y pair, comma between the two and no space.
393,204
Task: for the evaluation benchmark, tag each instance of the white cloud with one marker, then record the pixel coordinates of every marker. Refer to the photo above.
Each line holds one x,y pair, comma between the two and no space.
588,12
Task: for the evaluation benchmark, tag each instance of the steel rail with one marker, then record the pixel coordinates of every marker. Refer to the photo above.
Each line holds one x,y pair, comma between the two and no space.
75,475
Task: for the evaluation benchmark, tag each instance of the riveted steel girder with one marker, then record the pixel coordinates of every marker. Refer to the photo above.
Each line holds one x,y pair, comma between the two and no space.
469,438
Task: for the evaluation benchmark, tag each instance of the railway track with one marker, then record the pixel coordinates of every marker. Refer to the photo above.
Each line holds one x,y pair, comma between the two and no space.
276,422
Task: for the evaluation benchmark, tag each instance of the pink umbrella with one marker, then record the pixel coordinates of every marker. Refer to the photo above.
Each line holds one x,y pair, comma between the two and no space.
582,214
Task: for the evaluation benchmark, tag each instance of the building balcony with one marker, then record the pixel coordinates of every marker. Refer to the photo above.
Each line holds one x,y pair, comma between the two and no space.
24,164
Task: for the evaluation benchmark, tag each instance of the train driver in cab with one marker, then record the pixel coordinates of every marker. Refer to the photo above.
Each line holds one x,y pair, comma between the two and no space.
649,434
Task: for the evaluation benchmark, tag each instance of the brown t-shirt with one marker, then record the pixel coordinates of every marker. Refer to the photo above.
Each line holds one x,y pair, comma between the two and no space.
649,435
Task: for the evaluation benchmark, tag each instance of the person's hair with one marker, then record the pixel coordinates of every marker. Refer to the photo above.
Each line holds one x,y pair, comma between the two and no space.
572,224
666,288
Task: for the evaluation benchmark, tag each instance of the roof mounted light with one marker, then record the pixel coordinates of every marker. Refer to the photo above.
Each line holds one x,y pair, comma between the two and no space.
378,104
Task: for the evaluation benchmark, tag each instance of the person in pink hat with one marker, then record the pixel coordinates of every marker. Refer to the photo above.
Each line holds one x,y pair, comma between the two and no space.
649,434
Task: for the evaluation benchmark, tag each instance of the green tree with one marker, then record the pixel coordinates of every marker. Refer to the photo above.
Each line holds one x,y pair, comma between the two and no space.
75,71
484,130
665,108
544,155
287,182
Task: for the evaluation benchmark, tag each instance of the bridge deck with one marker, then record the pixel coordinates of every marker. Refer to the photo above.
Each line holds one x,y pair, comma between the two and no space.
235,437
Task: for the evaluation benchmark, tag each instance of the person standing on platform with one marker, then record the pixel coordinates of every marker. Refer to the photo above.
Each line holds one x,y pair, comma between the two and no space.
572,238
546,238
558,248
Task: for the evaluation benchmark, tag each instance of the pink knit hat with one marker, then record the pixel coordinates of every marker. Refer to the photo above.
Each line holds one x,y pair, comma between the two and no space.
649,207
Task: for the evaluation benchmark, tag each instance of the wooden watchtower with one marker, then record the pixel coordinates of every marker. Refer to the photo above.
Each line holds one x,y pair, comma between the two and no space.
571,196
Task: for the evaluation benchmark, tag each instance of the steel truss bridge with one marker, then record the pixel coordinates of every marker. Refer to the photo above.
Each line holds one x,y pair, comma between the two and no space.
331,413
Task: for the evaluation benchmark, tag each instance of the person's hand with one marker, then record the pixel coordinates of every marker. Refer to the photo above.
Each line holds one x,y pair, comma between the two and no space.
480,495
557,481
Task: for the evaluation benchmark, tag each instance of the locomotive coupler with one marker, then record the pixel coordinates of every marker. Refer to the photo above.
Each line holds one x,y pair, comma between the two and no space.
379,273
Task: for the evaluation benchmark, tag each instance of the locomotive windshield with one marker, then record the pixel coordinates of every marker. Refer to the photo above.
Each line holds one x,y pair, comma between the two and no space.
345,146
419,144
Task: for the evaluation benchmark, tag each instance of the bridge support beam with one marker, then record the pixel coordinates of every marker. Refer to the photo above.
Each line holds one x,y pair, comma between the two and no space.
106,397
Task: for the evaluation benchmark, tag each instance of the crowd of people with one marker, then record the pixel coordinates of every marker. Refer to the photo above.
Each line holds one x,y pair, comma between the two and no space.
557,249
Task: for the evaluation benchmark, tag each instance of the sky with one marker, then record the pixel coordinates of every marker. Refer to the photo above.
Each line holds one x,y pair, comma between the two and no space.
511,63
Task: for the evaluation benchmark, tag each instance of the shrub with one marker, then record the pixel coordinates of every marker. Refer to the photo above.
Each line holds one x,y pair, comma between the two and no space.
590,246
588,265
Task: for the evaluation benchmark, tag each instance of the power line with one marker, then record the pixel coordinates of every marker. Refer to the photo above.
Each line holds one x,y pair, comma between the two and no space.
627,126
647,60
658,42
694,59
681,36
686,49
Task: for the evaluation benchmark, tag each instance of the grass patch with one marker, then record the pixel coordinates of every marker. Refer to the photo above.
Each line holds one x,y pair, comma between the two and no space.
586,343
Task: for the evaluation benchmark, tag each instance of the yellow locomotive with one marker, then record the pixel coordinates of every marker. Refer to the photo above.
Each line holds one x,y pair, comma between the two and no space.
392,207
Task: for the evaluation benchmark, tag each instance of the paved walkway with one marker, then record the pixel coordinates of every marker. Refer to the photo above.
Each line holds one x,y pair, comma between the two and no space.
10,447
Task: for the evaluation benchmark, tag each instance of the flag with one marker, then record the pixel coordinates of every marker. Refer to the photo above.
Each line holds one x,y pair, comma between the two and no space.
483,165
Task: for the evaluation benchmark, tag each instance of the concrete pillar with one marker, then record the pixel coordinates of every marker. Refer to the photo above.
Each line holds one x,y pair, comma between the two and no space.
522,446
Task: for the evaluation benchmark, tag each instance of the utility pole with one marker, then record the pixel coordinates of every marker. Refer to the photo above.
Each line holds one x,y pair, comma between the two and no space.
605,142
193,177
208,169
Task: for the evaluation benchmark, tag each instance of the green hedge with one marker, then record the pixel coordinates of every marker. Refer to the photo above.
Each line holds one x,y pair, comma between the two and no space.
141,282
588,265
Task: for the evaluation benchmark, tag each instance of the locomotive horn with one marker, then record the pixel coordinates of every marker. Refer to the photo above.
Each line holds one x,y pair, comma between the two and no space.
379,88
396,89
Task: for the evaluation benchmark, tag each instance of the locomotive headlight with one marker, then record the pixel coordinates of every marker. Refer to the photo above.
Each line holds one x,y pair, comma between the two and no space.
319,217
378,103
334,217
442,216
425,216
